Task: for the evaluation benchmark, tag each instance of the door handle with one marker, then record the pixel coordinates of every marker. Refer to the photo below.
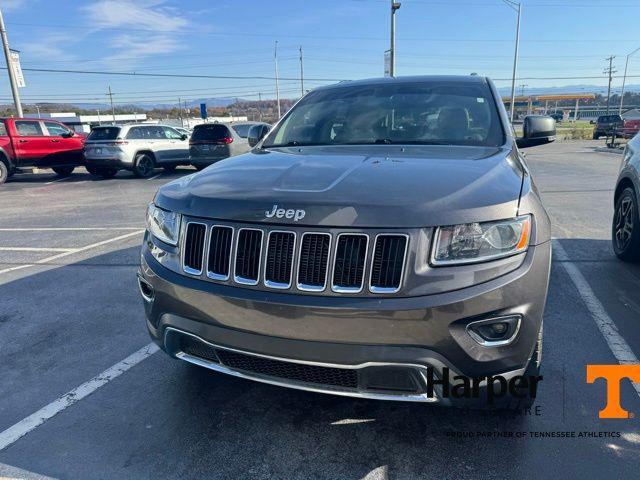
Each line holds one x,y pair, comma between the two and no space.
55,141
23,141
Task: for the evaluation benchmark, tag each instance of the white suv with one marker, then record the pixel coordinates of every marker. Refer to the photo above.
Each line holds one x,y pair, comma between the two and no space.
137,147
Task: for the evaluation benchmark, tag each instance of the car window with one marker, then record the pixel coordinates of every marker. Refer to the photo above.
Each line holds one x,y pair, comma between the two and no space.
55,129
104,133
172,134
429,112
154,133
28,129
243,130
3,129
210,132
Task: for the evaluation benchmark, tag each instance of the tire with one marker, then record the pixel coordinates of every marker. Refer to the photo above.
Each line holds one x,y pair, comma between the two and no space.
63,171
144,165
596,136
4,172
625,227
169,168
102,172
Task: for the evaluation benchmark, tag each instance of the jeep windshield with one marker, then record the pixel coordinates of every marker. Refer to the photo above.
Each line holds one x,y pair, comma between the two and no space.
420,113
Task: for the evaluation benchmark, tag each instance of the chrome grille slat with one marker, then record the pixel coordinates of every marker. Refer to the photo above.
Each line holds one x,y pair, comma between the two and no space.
193,252
278,268
313,263
248,256
220,246
349,262
387,263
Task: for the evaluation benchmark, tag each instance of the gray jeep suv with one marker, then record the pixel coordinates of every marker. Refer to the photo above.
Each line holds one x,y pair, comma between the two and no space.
385,240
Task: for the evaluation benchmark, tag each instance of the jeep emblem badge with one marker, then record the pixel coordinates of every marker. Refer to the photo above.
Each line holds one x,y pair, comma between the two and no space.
288,213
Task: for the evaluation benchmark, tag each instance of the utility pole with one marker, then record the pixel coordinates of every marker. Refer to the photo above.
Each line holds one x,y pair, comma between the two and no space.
624,79
609,71
301,74
260,105
517,7
277,81
12,77
38,110
392,47
99,122
522,86
113,110
180,112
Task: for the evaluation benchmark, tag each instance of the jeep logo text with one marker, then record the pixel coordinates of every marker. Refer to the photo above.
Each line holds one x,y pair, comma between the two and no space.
288,213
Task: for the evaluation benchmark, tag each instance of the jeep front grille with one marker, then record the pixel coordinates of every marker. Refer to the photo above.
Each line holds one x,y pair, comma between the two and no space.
348,269
194,248
387,263
248,255
330,262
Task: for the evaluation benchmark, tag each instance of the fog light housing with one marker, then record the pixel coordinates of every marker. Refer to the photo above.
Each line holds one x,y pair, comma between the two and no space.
495,332
146,289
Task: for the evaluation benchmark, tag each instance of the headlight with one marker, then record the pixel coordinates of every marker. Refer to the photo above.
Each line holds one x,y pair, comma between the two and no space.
478,242
163,225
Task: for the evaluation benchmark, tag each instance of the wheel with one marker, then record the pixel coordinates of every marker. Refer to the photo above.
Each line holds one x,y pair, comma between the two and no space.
103,172
596,136
144,165
625,228
169,168
63,171
4,172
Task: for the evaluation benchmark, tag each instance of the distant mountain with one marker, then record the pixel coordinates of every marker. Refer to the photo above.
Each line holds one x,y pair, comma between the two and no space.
615,88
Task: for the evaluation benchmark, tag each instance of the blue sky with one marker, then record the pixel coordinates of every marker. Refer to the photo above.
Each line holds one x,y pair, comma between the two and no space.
341,39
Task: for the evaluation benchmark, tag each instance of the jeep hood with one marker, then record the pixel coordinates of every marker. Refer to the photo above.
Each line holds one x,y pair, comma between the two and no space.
355,186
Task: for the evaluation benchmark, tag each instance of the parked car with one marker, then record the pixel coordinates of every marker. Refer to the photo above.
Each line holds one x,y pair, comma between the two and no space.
136,147
212,142
625,229
29,142
385,235
607,125
630,128
557,116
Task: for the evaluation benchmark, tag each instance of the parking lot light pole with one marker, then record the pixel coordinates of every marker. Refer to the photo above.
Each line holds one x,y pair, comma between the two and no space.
624,78
392,48
518,8
277,80
12,77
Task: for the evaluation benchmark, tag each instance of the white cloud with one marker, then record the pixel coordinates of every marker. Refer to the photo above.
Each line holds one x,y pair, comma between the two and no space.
8,5
129,48
142,14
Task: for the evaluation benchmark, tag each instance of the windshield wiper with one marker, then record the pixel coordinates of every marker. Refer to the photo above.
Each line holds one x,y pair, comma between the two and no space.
293,143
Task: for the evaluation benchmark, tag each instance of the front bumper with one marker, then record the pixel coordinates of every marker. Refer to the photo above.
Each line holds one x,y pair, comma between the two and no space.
402,335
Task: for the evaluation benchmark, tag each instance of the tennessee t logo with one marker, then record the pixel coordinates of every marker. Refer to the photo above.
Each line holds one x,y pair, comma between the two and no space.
613,374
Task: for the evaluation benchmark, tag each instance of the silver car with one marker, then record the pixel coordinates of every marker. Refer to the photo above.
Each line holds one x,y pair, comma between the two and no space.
385,240
625,230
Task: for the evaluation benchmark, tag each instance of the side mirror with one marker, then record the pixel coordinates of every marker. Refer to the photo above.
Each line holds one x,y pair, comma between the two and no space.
256,133
184,136
537,129
67,134
592,122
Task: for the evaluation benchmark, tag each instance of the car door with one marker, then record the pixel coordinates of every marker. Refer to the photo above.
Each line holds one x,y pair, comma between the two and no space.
158,143
30,144
66,145
179,146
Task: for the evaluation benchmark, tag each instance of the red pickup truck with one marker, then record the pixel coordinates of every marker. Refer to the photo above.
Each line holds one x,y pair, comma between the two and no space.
36,142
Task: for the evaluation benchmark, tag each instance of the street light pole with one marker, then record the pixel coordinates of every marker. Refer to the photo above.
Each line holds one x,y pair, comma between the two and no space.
610,71
12,77
113,110
392,47
624,79
518,8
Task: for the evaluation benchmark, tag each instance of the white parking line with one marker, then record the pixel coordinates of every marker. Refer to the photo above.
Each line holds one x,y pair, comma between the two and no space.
36,249
77,250
58,180
24,426
155,176
617,344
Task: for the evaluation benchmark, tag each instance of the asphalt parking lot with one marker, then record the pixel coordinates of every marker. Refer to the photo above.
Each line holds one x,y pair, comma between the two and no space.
70,311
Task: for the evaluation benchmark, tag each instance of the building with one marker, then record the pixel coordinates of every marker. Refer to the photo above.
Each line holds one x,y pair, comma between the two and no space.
84,123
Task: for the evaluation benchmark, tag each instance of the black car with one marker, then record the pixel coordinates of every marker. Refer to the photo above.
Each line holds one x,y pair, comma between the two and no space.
607,125
557,116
